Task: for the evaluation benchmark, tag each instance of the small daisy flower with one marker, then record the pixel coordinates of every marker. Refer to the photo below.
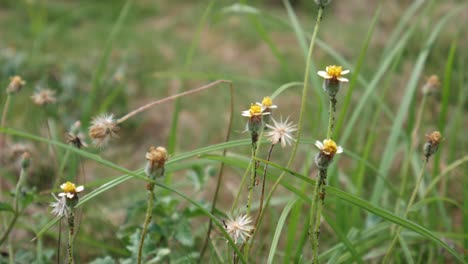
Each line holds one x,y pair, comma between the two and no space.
239,228
157,157
267,107
59,207
267,103
44,97
333,79
328,149
15,85
70,190
432,144
254,124
254,111
102,129
281,132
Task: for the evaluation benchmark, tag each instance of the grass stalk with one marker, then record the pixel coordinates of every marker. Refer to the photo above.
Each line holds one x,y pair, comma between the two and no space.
408,207
220,174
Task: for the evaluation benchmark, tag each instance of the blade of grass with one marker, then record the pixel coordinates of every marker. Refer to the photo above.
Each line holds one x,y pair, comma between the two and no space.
389,151
279,227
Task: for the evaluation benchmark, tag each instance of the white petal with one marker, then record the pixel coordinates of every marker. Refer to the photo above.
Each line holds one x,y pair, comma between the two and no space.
70,195
246,113
62,194
63,186
80,188
344,72
339,150
341,79
323,74
319,145
273,107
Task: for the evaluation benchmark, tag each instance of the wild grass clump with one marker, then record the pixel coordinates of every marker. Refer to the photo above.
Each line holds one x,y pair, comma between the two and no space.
363,162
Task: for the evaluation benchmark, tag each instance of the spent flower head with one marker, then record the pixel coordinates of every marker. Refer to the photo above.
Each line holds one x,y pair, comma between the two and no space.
157,157
70,190
333,79
102,129
59,207
432,145
432,85
238,228
44,97
15,85
75,137
281,132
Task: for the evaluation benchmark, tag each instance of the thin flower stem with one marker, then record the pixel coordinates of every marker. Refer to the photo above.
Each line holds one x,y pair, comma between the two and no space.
17,209
220,174
248,247
408,208
263,187
170,98
253,175
331,117
71,234
407,162
316,213
302,113
149,215
2,136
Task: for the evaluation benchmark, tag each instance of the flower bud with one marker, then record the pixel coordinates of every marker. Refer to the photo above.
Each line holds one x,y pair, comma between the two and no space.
432,144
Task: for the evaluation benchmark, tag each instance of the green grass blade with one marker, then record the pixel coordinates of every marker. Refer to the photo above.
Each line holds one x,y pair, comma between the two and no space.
389,152
279,227
354,253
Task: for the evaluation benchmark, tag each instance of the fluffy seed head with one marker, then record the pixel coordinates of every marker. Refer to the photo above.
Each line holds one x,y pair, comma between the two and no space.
102,129
239,228
15,85
157,156
281,132
44,97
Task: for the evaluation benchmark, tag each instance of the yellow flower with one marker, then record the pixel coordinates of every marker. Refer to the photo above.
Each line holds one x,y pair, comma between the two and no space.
254,110
334,72
70,190
267,103
328,147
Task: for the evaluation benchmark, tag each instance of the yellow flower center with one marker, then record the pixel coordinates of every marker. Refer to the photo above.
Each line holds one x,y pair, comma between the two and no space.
255,110
267,101
69,187
334,71
329,146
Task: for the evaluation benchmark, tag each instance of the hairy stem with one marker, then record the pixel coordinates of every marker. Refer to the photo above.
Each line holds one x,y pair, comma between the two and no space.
302,113
316,213
220,175
170,98
71,234
149,215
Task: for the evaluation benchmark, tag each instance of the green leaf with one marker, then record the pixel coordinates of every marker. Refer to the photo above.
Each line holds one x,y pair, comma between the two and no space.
6,207
183,233
279,227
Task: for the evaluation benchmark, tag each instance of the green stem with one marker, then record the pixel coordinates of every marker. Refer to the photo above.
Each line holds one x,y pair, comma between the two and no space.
316,212
408,207
406,164
301,116
253,176
331,117
149,215
71,233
